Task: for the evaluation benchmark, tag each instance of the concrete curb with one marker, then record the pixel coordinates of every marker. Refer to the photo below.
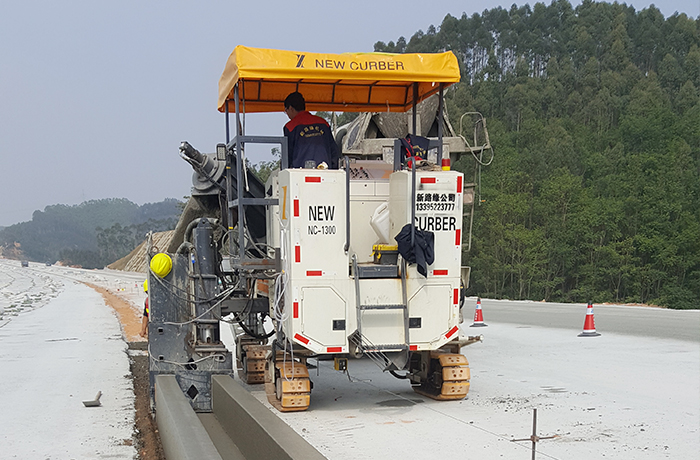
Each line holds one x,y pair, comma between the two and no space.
258,433
182,434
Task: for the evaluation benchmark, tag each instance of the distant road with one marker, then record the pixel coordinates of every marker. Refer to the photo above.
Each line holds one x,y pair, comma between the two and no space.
637,321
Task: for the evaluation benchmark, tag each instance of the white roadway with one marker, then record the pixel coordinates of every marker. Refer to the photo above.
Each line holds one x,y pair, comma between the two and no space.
59,345
640,321
631,393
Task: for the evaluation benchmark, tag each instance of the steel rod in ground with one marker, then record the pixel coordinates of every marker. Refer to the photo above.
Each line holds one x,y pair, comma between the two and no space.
534,438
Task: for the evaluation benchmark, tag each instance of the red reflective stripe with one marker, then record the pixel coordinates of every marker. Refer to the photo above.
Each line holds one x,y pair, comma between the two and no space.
297,254
459,184
312,179
301,338
458,237
455,300
296,208
296,310
439,272
427,180
314,272
413,347
334,349
452,331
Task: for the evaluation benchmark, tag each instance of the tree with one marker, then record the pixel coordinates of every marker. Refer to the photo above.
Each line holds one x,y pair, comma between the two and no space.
263,169
594,117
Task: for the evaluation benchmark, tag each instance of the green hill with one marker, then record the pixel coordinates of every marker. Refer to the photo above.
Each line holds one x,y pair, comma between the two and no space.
92,234
594,117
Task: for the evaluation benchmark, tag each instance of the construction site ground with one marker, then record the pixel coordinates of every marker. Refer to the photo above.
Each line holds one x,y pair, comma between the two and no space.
631,393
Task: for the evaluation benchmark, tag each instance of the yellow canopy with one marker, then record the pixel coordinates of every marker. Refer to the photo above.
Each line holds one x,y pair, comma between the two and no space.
362,82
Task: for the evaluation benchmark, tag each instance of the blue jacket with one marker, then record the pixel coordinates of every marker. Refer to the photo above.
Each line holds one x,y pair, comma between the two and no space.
309,138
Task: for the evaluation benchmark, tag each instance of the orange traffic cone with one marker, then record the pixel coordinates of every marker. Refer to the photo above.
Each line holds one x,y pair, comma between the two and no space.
589,325
478,315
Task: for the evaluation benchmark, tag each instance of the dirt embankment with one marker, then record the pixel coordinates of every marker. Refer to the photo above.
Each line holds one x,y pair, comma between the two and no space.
129,316
146,435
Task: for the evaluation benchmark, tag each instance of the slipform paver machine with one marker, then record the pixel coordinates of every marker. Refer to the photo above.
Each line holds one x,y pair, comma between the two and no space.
306,265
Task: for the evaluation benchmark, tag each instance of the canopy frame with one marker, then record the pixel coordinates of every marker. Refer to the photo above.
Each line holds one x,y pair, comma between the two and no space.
413,92
348,82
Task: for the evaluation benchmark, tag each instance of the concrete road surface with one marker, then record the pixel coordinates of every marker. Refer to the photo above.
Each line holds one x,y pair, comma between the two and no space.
621,319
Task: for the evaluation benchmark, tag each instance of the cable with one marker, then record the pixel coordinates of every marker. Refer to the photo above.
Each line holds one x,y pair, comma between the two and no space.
203,313
255,244
483,147
186,364
251,333
399,376
280,315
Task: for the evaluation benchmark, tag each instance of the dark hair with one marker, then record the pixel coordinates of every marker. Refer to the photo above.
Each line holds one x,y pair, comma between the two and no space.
295,100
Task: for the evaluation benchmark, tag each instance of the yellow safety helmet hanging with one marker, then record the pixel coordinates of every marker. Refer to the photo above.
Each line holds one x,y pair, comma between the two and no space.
161,264
145,285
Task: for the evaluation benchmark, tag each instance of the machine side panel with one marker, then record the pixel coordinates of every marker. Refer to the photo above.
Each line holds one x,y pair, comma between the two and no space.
273,212
435,298
313,218
323,312
170,336
433,320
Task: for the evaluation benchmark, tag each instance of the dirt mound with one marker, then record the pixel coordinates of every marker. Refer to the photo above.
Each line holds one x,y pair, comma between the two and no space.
137,260
12,251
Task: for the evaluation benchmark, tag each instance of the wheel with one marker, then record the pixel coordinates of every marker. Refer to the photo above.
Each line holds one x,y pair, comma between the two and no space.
291,389
447,378
251,365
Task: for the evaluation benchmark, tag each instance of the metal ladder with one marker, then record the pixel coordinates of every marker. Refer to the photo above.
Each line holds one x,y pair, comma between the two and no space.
378,353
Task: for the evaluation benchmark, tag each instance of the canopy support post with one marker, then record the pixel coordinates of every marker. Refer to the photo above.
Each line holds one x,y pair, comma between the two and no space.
239,179
415,106
441,108
229,213
228,135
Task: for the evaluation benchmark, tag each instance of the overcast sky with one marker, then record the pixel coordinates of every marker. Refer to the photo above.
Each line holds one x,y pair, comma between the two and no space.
95,97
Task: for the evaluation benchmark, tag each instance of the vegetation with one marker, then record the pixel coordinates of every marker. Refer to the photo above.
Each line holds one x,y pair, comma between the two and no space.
263,169
92,234
594,116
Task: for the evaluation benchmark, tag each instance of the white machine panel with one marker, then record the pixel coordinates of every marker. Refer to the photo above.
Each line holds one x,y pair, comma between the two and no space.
320,306
434,299
320,293
429,304
313,211
313,217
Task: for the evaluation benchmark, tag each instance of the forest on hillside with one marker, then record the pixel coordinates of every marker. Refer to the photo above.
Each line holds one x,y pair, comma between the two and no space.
594,192
92,234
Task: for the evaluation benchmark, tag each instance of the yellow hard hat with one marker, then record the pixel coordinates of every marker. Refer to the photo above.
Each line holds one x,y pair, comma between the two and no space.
161,264
145,286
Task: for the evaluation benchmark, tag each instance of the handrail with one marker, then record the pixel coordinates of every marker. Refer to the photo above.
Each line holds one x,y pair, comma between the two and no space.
413,202
347,204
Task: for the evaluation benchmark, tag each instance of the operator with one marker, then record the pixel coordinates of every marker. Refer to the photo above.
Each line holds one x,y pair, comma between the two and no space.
308,136
144,320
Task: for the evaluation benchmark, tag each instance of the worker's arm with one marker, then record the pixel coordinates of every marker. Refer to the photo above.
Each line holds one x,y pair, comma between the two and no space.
290,147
